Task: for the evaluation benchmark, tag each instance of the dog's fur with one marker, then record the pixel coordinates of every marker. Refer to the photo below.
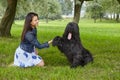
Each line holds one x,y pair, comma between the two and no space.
73,48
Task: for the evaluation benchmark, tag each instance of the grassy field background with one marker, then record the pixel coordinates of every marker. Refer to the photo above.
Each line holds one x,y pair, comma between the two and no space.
101,39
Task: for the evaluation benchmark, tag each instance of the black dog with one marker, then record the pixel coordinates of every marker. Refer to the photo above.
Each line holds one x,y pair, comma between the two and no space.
72,47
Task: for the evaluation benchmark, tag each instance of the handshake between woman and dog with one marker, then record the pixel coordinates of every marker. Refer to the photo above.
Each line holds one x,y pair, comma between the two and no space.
70,44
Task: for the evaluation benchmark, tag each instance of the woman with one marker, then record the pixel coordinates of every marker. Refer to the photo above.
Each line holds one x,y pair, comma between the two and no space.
26,54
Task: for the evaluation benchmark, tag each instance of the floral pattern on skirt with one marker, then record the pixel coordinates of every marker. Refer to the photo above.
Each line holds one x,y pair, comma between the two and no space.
25,59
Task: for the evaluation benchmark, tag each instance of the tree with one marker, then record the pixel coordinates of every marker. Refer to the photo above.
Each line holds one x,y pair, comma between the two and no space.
52,9
8,18
3,5
95,11
66,6
77,9
108,9
47,9
23,7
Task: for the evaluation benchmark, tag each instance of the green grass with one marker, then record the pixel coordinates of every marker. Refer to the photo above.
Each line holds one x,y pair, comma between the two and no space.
102,39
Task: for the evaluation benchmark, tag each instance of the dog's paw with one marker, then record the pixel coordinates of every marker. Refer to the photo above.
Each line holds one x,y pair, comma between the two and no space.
56,41
73,66
57,38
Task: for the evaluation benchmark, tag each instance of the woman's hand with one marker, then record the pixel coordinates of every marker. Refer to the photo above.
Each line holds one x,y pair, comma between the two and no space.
50,41
36,51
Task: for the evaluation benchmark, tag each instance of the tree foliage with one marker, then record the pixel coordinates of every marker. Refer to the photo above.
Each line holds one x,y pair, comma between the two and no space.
66,6
95,10
118,1
45,8
3,5
110,8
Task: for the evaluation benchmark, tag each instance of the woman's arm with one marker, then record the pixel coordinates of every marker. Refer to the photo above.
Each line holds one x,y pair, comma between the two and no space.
33,40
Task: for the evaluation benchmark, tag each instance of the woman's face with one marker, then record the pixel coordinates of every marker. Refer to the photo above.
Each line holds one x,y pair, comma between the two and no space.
34,21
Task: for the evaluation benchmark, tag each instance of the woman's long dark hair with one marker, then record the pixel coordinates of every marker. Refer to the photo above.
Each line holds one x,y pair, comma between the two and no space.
27,24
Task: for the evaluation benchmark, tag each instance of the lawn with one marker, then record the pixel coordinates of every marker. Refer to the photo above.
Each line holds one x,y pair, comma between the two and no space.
101,39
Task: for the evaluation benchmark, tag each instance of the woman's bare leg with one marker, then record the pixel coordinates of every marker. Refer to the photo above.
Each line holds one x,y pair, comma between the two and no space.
41,64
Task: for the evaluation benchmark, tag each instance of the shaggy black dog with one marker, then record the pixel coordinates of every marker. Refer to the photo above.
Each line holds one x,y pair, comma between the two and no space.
71,46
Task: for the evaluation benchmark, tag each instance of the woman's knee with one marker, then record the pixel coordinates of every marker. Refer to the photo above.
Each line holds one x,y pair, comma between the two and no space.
41,64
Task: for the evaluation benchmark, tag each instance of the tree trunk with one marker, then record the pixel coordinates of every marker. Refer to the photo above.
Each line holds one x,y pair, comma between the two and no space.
114,15
8,18
117,18
101,16
47,18
77,9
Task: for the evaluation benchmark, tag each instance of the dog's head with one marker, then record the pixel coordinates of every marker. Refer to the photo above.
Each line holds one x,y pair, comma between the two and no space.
71,32
56,41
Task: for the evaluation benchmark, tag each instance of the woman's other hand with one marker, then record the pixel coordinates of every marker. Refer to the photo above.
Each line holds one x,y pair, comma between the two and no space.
50,41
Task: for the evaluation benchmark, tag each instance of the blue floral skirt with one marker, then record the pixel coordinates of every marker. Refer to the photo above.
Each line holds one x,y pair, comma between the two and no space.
25,59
